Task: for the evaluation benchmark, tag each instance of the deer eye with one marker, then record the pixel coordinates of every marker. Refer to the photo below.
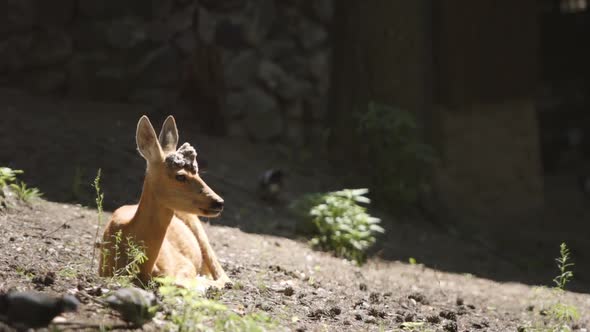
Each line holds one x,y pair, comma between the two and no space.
180,178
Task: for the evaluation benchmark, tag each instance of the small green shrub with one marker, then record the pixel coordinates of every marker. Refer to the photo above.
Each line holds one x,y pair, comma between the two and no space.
25,193
400,163
132,252
188,311
341,224
563,264
8,176
559,316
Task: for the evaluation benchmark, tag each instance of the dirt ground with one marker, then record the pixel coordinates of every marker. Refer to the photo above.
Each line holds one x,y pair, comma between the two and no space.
462,282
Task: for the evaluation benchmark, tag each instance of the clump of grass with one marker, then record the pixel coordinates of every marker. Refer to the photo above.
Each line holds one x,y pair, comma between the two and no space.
400,163
559,316
341,224
25,193
8,178
188,311
99,200
125,249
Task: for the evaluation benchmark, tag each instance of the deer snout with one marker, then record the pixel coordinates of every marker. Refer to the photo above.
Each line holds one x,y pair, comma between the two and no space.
217,204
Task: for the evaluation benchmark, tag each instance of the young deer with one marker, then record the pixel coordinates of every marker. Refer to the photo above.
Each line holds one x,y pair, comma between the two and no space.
165,221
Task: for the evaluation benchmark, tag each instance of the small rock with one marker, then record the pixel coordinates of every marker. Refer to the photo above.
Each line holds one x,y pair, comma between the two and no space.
374,297
410,317
335,311
288,291
447,314
450,326
317,314
481,325
418,297
264,306
459,301
33,309
361,304
433,319
47,279
363,287
358,316
461,311
530,308
375,312
134,304
370,320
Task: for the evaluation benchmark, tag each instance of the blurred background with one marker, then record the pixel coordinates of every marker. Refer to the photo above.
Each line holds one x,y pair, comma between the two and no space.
467,120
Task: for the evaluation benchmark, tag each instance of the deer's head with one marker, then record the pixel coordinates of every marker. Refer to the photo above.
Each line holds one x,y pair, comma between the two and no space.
173,175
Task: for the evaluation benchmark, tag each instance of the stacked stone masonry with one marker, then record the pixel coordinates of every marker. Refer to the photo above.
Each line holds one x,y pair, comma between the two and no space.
275,56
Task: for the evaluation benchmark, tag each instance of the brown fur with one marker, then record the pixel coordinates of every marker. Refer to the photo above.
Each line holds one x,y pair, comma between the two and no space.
165,221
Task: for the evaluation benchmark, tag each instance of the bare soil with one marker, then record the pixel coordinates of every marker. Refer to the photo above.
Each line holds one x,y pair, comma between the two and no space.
462,282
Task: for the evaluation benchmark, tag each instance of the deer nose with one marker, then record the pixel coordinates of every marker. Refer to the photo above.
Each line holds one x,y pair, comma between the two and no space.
217,205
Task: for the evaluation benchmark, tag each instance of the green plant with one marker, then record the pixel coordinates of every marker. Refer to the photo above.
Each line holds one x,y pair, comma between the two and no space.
25,193
400,163
559,316
341,224
188,311
99,200
67,272
134,255
563,264
8,176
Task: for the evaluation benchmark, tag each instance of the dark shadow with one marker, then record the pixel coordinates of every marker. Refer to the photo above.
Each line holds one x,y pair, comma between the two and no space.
61,144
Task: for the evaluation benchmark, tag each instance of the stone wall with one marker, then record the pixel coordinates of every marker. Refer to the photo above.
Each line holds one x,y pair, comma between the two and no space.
264,64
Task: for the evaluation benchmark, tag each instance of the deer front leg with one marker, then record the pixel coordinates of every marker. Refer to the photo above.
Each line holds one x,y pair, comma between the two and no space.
211,265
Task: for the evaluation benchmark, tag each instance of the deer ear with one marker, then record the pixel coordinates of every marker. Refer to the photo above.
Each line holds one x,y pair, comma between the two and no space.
169,135
147,142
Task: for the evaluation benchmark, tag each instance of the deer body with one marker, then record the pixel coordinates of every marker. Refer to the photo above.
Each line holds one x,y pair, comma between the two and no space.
165,221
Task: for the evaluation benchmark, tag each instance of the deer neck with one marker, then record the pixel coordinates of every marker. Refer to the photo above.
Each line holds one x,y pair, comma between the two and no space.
149,225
